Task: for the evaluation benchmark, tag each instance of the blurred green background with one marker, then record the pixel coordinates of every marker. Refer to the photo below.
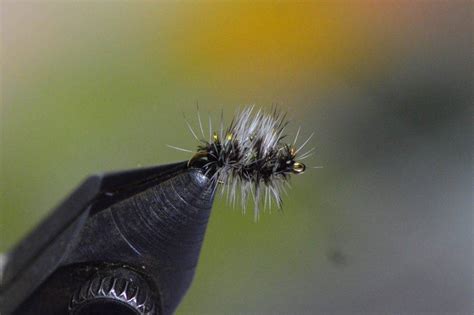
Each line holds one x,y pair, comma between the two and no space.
384,227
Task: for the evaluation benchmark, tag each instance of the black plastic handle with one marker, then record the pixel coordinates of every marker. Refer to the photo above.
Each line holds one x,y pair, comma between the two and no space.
149,223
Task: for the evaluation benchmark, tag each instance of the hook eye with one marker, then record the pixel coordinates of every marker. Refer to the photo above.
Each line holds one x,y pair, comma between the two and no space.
298,168
196,157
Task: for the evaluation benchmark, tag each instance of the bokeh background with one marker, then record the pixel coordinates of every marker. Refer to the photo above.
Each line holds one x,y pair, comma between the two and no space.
384,227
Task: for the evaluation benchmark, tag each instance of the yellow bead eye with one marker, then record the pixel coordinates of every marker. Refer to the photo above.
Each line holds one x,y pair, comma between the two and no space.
293,153
229,137
215,138
298,168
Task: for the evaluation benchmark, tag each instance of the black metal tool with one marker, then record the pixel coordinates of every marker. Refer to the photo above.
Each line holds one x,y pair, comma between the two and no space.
121,243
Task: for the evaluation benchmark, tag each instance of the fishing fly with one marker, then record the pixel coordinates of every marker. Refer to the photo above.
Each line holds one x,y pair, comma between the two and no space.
249,158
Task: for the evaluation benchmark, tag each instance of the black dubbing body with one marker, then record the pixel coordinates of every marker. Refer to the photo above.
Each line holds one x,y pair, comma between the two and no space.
147,230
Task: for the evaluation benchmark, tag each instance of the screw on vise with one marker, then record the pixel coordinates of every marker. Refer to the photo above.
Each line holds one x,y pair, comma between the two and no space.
121,243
